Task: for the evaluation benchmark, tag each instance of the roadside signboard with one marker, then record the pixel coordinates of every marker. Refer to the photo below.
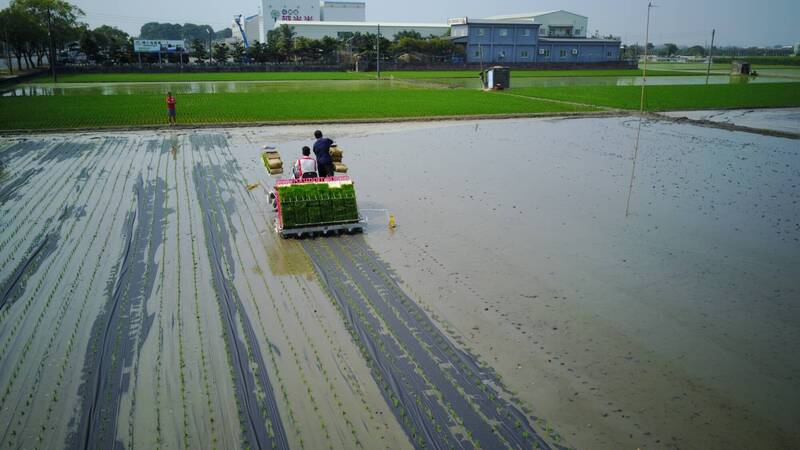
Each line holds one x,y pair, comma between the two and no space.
158,45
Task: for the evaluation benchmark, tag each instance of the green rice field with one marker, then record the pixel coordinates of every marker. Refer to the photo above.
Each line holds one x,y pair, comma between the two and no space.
665,98
51,112
109,101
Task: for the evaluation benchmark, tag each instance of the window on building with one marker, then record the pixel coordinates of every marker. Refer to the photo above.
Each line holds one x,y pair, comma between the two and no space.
609,54
503,32
562,53
577,31
523,54
543,31
481,31
502,55
544,52
526,32
477,53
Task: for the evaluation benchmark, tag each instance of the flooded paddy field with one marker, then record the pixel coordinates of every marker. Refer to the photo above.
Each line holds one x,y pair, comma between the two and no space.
146,302
778,119
216,87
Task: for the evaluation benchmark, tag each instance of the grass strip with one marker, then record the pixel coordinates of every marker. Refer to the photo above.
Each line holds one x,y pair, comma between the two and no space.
665,98
52,112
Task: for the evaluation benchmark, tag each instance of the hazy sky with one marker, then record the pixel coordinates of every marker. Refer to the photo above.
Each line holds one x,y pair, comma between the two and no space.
738,22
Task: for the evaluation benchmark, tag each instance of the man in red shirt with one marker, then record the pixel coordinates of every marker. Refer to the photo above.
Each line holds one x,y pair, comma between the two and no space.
171,108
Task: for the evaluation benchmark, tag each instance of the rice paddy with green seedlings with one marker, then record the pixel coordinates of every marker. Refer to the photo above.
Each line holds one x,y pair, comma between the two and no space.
666,98
317,203
278,105
91,101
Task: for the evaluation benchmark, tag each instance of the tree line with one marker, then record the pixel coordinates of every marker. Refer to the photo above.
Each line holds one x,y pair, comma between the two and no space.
283,45
699,51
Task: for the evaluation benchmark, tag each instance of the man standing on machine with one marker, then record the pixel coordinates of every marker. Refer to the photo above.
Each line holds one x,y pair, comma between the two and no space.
322,149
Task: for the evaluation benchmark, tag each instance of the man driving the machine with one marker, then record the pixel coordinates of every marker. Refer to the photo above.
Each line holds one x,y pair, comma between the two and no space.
306,166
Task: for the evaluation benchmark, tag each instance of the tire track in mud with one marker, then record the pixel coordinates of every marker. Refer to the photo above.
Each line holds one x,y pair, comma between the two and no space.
350,270
431,424
234,172
51,346
124,323
241,350
462,371
270,346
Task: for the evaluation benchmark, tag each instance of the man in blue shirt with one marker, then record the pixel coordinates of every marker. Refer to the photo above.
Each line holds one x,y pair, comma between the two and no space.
322,149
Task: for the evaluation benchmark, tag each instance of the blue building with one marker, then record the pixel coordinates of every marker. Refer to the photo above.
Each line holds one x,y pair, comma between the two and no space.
519,42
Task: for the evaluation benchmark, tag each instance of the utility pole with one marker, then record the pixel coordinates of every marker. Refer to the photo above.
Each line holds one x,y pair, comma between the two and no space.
379,51
710,55
52,44
641,110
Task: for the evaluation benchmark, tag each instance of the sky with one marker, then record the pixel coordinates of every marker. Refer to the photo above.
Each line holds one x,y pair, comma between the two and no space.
684,22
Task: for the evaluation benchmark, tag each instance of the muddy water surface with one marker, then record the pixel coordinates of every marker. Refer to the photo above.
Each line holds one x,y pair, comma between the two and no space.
515,302
674,327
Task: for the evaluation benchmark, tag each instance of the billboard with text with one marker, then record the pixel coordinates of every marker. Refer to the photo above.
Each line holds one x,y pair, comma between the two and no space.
158,45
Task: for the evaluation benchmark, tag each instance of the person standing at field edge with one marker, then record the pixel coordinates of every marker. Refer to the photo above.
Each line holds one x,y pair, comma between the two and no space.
322,149
170,108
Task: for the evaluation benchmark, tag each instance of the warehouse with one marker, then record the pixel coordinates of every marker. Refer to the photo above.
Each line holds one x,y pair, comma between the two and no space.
557,24
510,41
302,11
341,30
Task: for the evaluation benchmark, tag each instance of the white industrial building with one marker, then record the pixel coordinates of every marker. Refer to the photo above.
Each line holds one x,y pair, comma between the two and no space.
555,24
339,30
315,19
343,11
301,11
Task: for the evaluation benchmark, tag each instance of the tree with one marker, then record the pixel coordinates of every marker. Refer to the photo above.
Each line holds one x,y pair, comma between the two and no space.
198,50
89,45
670,49
282,38
156,30
223,33
410,34
258,52
696,50
41,25
221,52
5,25
237,51
190,32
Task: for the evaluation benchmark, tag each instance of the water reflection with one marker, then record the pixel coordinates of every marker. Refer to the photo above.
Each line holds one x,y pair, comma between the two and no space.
202,87
520,82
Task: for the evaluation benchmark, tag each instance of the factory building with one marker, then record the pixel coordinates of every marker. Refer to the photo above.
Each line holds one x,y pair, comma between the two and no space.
344,12
507,41
341,30
556,24
301,11
551,36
